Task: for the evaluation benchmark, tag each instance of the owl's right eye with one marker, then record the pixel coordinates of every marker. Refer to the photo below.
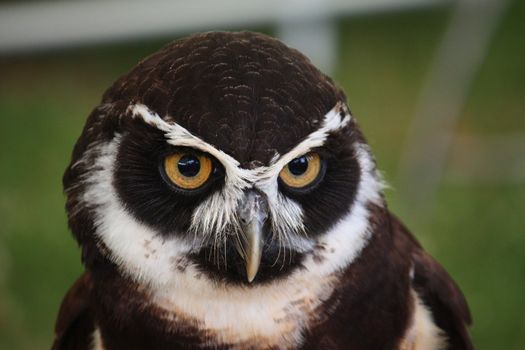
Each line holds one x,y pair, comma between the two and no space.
188,171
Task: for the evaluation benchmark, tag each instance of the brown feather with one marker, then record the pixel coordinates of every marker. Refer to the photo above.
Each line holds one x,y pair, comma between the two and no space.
74,326
437,289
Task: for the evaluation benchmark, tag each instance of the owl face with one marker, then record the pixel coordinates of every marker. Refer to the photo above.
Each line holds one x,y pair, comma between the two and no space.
226,158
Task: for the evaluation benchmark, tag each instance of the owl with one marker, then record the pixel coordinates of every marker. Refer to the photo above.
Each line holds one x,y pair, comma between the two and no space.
224,197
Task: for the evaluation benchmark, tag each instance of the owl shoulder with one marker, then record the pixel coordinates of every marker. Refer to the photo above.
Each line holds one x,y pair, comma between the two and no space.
438,291
74,326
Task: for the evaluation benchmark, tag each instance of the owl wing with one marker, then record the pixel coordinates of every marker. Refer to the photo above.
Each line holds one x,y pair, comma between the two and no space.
437,289
74,326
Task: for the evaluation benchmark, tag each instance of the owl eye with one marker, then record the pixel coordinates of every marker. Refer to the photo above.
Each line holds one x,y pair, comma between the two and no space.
187,170
302,172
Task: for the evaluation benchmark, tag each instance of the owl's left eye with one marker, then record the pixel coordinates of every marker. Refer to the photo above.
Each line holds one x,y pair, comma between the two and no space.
302,172
188,171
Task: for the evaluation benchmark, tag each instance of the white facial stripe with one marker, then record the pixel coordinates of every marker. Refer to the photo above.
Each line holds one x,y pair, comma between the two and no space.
133,245
344,242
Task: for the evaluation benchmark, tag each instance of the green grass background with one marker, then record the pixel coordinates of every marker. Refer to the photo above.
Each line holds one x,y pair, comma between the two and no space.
476,231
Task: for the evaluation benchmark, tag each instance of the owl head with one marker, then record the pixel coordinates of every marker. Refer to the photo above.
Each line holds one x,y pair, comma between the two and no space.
224,157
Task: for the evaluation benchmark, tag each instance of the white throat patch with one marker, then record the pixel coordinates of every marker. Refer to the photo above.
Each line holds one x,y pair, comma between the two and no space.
272,314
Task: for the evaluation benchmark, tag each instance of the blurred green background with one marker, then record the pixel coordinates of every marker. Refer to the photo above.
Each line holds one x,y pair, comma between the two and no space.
476,230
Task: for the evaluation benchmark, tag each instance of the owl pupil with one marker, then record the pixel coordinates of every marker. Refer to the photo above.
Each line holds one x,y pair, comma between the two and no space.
189,165
298,166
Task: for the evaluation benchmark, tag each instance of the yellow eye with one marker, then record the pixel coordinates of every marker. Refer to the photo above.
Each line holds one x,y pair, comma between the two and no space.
187,170
302,171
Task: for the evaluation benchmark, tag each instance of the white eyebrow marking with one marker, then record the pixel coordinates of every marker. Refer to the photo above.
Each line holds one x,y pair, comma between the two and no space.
337,118
179,136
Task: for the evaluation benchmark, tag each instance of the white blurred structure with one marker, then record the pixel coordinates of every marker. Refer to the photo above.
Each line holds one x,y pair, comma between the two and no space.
305,24
432,143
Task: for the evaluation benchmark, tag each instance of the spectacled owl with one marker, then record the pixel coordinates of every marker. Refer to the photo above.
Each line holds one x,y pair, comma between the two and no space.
224,197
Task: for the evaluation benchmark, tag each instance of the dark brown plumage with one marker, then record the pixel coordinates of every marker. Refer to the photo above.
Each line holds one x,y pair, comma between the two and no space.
256,100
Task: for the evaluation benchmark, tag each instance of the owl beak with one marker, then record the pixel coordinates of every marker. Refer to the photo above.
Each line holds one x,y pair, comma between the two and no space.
253,212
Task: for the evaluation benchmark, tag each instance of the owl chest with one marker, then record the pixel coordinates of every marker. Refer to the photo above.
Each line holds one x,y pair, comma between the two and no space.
155,329
197,316
276,317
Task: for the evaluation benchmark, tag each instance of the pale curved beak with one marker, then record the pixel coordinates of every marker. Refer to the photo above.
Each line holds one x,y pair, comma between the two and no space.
253,212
